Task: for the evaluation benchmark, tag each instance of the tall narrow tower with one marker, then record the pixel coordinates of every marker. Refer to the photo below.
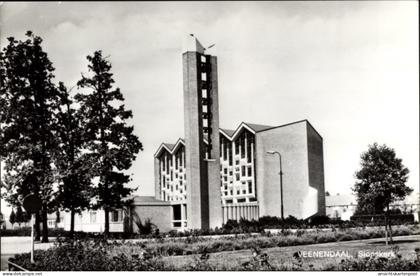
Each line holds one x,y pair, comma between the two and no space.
201,125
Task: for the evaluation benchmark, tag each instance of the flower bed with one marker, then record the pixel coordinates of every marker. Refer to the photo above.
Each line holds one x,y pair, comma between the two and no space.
89,255
97,254
93,256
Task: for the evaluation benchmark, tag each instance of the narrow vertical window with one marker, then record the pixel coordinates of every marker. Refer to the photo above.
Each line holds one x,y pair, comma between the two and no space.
250,187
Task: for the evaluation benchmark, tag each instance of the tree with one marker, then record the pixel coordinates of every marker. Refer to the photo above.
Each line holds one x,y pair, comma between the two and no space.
19,216
380,182
74,189
26,217
12,217
327,193
29,102
110,142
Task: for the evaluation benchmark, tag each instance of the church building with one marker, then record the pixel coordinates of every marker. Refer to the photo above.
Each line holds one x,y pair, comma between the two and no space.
213,174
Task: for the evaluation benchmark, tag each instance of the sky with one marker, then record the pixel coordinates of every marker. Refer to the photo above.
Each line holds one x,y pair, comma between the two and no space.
350,68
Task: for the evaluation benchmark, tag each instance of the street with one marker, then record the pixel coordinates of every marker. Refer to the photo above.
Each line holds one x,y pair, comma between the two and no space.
16,245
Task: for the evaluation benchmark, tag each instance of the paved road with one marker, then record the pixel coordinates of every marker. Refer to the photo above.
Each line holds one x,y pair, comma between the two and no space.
16,245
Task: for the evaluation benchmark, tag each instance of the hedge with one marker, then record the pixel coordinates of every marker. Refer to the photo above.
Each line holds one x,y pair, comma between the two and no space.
380,219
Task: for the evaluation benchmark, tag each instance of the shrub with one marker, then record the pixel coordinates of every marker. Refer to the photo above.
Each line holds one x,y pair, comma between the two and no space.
89,255
230,225
24,231
99,255
345,237
402,231
220,245
97,247
376,264
326,237
258,261
319,220
167,249
371,219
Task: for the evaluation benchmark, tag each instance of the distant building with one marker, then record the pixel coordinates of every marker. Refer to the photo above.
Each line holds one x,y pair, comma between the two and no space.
343,206
94,221
340,206
53,222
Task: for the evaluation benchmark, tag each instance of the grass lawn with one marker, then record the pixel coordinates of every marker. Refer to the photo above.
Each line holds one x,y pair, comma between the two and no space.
283,255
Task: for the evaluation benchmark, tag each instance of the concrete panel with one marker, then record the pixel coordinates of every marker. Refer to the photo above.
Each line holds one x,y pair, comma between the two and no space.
157,179
203,179
194,152
291,142
214,194
316,166
161,216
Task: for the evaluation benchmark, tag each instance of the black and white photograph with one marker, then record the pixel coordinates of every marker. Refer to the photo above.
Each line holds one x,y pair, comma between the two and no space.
218,136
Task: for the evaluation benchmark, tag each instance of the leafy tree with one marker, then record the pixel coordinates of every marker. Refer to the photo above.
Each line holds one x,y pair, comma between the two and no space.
74,189
110,142
29,101
19,215
12,217
26,217
380,182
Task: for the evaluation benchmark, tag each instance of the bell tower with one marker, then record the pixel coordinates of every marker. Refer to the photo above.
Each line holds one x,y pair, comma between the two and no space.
201,127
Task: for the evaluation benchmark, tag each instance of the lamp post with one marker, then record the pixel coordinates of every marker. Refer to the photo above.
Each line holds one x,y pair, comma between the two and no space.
281,184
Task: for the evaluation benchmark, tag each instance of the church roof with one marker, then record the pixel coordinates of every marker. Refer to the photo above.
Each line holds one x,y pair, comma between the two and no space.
169,146
257,127
229,132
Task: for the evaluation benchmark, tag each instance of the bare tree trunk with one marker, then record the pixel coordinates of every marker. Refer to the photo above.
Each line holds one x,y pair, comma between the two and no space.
71,223
389,224
390,233
37,228
386,230
106,232
44,224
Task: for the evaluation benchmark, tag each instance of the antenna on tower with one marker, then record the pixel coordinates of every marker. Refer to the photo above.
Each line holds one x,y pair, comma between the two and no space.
209,47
